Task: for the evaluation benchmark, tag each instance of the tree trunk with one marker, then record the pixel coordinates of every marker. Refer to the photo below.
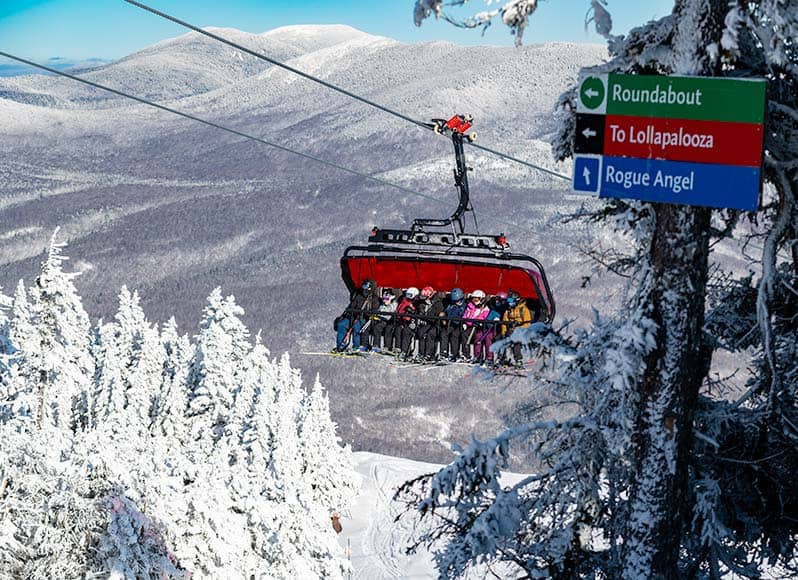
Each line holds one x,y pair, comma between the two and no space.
673,375
680,362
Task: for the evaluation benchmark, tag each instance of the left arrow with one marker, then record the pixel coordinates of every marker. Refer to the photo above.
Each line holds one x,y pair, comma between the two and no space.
589,134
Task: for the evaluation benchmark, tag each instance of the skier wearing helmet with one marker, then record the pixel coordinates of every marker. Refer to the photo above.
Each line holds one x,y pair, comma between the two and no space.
406,325
516,316
483,338
431,307
383,324
350,323
452,331
477,309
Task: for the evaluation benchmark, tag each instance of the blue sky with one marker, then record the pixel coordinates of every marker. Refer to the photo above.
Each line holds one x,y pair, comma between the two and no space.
78,29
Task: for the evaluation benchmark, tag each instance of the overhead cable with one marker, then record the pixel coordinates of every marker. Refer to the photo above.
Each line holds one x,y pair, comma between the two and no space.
240,133
333,87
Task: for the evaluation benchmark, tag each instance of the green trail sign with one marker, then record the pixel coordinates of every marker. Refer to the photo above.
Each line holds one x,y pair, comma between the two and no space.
699,98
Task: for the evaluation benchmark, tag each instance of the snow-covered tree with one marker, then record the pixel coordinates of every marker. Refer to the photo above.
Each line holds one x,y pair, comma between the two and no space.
172,399
514,14
214,370
327,467
141,483
5,305
49,331
655,477
141,355
5,351
109,401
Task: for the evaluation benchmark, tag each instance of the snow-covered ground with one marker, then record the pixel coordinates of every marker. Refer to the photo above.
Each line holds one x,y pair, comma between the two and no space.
376,542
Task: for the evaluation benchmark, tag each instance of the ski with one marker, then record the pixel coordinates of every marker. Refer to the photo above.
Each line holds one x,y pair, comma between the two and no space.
337,354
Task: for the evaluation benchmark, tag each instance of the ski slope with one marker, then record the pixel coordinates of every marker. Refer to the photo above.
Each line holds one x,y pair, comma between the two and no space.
375,541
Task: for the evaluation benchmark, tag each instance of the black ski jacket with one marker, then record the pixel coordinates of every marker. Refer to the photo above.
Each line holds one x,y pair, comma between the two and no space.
360,302
433,309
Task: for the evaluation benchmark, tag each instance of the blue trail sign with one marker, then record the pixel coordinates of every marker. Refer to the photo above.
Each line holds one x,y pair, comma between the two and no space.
706,184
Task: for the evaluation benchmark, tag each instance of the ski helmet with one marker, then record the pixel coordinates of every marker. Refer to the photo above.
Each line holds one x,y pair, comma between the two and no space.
457,294
411,292
502,295
427,292
478,294
513,298
368,284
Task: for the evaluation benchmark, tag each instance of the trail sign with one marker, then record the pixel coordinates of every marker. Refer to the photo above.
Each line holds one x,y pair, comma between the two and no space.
693,140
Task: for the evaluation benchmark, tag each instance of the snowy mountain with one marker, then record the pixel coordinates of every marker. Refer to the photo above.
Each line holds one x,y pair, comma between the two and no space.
174,209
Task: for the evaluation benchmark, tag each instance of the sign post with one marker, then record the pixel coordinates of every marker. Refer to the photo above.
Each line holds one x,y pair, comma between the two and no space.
686,140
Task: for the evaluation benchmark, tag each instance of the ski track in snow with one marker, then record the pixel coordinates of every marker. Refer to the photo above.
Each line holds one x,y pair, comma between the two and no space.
377,542
374,541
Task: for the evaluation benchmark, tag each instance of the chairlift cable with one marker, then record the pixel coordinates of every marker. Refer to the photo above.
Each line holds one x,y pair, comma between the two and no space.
244,135
333,87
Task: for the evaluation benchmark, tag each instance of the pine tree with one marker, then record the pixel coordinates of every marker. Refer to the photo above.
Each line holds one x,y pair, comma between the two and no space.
5,306
26,360
172,400
214,370
142,357
128,494
5,353
327,467
109,400
61,327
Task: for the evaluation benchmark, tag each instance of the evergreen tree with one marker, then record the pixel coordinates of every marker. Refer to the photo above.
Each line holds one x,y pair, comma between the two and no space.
327,467
109,400
215,368
172,400
5,305
141,356
5,352
25,360
127,494
62,332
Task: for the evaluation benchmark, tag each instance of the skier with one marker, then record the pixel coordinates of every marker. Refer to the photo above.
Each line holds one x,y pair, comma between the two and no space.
484,336
452,330
477,309
383,325
430,306
350,323
406,325
516,316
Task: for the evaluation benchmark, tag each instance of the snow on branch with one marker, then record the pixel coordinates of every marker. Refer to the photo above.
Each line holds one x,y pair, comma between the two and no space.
129,452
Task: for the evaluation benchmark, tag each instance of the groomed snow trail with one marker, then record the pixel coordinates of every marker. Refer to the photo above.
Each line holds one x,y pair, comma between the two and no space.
377,542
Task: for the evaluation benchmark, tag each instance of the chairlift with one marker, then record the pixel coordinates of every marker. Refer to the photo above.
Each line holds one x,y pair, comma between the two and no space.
442,254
